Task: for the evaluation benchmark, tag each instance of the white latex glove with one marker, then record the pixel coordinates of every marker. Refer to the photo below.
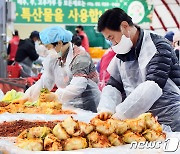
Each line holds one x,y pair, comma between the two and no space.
73,90
110,98
139,101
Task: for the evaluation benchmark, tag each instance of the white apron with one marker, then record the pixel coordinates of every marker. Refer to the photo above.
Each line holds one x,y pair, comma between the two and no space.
133,73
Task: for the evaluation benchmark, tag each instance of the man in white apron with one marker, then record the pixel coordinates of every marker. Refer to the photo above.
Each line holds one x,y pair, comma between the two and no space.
145,75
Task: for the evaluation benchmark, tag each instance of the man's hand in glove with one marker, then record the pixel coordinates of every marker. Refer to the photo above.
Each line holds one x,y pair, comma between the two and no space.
104,115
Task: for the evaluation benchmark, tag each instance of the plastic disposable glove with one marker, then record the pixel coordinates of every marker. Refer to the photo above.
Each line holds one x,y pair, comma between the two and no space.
104,115
110,98
139,101
48,97
1,94
47,78
33,92
76,87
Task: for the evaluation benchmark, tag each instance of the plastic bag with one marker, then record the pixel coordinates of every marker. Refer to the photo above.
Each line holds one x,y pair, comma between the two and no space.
1,94
110,98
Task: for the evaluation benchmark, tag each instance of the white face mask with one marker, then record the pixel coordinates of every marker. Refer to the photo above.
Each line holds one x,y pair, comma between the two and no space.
36,44
124,45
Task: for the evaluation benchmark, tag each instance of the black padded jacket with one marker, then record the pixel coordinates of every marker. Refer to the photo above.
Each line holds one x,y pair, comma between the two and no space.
26,48
162,66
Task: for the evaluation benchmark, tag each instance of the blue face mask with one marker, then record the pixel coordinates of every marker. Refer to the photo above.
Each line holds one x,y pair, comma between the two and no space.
60,54
108,42
60,51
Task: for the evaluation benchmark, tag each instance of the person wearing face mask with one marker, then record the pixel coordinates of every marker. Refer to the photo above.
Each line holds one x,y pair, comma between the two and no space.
85,41
26,54
144,75
71,69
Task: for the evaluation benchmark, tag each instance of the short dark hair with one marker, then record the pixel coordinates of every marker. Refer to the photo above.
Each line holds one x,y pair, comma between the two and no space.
56,43
16,33
112,19
76,40
80,27
34,34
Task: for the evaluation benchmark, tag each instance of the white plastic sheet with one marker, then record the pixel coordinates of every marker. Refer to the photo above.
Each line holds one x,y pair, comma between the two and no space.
8,145
81,115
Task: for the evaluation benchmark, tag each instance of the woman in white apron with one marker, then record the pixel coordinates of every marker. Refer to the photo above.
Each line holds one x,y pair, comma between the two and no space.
71,69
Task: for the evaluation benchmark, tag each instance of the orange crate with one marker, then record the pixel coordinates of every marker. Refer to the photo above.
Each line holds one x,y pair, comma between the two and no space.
96,52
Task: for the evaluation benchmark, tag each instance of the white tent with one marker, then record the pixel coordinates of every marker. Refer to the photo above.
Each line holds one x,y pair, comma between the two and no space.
166,16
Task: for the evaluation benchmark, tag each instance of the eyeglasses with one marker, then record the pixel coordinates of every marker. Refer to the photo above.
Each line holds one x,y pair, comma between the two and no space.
110,38
177,43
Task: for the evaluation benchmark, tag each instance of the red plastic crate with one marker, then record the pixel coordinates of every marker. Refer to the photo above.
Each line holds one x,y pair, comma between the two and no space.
13,71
